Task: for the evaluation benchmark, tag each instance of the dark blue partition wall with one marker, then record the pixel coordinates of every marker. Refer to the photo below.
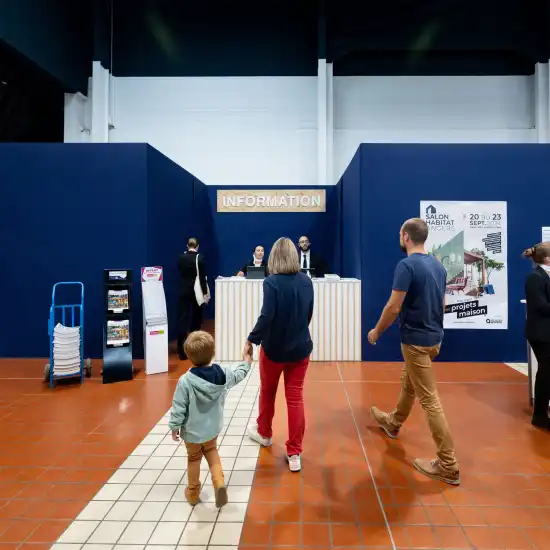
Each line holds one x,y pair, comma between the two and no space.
170,222
238,233
350,219
66,213
395,178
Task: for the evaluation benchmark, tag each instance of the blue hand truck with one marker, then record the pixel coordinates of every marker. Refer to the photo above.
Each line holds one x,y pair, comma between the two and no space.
67,316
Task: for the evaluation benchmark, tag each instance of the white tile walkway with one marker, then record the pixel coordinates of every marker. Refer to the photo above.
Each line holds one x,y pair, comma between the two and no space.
143,505
519,367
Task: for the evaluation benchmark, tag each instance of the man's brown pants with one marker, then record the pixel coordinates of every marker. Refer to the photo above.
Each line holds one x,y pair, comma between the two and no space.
418,381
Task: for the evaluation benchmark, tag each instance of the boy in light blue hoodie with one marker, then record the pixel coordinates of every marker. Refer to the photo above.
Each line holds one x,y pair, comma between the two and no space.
197,411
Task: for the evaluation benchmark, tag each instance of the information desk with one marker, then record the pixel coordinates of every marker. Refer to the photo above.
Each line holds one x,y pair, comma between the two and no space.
335,326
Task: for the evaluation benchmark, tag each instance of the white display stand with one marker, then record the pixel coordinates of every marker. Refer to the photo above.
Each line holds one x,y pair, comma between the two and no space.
155,320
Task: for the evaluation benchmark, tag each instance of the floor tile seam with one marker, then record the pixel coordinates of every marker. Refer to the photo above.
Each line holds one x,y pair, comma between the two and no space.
442,382
528,538
330,522
256,399
354,505
63,501
327,505
216,521
128,484
248,501
358,432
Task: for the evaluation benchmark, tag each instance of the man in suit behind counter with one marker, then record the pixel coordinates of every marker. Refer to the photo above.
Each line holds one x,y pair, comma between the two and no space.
189,311
310,260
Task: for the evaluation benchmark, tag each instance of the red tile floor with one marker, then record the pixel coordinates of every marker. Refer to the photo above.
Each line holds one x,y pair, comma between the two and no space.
357,488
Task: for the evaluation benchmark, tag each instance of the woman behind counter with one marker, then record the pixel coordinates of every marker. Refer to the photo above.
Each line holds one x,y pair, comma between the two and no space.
537,329
257,260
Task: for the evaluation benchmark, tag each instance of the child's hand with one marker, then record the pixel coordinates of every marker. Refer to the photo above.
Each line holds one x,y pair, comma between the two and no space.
175,435
247,352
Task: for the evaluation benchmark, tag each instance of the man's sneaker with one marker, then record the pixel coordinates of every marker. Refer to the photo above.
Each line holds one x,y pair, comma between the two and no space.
252,432
294,463
383,421
432,468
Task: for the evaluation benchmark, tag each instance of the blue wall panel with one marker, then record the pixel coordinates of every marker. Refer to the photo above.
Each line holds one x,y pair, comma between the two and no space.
56,206
350,218
395,178
238,233
170,222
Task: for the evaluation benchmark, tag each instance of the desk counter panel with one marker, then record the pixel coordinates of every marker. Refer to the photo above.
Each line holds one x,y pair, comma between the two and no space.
335,327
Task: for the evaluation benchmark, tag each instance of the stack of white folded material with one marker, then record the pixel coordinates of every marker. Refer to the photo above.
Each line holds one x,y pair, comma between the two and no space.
66,350
155,304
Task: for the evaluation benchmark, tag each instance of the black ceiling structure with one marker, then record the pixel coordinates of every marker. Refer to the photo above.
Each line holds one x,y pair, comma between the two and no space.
47,46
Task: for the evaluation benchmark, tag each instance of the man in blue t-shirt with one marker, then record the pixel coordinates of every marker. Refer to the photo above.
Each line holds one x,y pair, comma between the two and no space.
418,297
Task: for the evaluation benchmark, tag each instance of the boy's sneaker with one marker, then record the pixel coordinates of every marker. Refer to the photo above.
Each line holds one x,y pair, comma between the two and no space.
193,495
433,469
252,432
383,421
294,463
220,493
218,481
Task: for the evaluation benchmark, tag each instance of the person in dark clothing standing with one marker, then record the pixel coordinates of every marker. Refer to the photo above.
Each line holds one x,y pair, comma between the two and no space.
283,332
537,328
311,260
189,311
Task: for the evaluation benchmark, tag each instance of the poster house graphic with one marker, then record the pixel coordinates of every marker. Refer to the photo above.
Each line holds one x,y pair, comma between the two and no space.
470,240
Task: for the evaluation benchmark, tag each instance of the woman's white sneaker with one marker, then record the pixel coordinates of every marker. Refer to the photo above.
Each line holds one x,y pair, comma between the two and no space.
294,463
252,432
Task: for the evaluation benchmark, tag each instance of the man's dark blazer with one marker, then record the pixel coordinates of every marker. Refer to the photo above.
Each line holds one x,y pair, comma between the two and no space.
188,272
316,262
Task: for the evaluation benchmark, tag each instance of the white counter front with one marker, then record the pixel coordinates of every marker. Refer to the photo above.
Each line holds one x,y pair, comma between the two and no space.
335,326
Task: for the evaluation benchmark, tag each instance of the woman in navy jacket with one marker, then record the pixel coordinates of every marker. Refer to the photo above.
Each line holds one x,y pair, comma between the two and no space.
283,332
537,328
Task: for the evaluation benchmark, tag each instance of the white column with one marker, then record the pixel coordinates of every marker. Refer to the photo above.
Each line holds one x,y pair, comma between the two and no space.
100,104
322,122
76,129
330,124
542,102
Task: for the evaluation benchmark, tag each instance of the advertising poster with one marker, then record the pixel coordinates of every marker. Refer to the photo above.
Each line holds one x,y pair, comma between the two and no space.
470,239
118,333
117,300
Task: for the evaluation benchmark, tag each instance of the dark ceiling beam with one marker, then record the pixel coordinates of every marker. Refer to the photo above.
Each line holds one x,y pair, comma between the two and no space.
321,30
512,25
102,21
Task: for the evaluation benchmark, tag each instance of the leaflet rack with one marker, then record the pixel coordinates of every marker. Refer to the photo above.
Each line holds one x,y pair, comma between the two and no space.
117,328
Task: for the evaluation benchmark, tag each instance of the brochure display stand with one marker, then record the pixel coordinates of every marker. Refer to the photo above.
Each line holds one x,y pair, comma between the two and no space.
155,320
117,328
